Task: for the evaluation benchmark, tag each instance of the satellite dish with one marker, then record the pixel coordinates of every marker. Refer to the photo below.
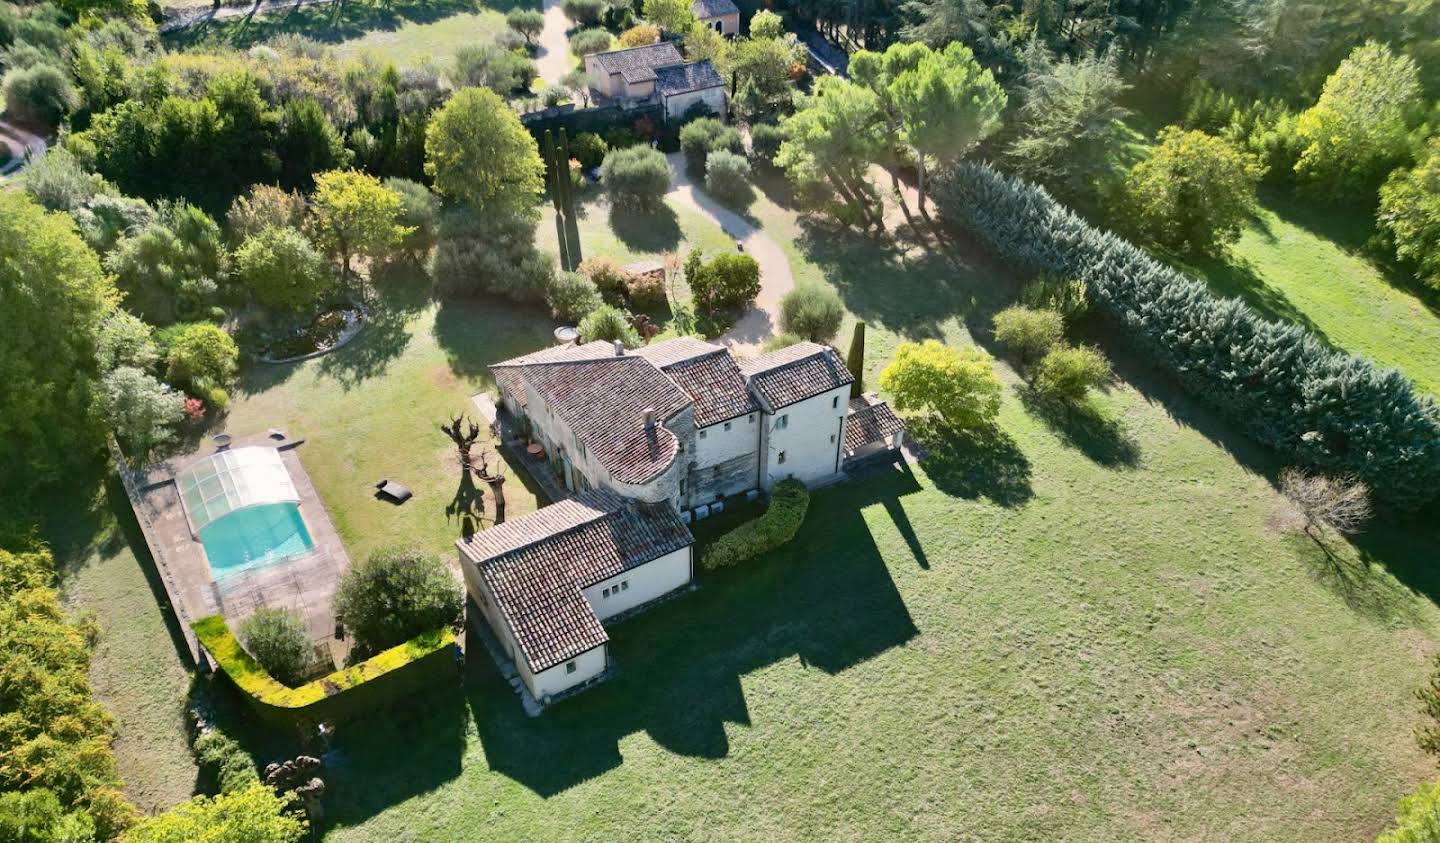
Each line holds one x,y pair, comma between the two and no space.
566,334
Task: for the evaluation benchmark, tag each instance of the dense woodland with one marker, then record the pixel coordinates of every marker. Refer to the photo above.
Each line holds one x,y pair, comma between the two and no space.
200,204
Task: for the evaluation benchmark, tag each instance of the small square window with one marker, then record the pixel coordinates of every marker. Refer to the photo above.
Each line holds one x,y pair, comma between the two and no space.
702,434
569,667
750,419
832,437
834,402
605,594
782,422
781,459
727,425
624,585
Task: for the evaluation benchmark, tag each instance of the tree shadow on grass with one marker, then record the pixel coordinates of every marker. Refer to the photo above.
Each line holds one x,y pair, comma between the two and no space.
826,600
656,231
1086,428
477,332
402,290
985,463
1361,582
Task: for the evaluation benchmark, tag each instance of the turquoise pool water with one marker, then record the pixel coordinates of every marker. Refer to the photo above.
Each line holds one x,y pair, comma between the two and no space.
255,537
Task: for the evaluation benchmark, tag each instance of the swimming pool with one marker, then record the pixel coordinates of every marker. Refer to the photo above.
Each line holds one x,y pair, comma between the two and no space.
255,537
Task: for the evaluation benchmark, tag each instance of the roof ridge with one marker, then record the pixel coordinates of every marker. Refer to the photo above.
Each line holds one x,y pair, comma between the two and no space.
641,47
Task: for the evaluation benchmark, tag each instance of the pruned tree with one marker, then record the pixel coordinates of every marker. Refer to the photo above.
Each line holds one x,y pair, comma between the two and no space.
1341,503
463,432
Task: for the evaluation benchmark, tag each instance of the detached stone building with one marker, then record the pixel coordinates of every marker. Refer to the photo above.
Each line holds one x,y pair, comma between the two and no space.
723,16
646,440
657,73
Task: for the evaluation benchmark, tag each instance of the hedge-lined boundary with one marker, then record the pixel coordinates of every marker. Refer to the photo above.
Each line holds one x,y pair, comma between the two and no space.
330,697
1312,404
789,502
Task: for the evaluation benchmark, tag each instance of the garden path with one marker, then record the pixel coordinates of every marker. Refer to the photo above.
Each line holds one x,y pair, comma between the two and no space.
762,320
552,60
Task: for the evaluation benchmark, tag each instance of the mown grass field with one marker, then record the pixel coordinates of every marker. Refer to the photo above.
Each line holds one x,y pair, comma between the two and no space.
403,32
1081,628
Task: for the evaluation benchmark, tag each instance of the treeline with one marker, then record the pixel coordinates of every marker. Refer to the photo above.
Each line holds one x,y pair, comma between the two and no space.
1313,405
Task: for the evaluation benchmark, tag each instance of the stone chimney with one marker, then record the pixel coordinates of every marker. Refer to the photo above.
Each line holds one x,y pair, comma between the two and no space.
619,349
649,418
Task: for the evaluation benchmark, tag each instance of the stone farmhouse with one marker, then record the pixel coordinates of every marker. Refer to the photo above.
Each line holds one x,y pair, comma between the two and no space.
657,73
723,16
646,441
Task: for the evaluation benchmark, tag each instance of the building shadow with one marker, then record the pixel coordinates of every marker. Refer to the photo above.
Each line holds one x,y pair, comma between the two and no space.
826,600
884,479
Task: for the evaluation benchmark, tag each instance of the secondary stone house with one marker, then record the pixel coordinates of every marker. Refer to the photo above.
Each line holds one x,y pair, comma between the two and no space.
657,73
646,440
723,16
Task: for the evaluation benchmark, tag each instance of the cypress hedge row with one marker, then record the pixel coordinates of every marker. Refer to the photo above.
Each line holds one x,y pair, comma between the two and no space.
1315,406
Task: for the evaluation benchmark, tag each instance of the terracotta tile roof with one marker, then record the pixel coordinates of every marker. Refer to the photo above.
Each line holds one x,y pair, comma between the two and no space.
717,386
685,78
670,351
638,64
795,373
507,373
713,8
869,421
537,565
602,399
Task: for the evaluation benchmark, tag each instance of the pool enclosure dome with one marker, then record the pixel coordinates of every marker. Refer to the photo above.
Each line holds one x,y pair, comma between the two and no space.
230,480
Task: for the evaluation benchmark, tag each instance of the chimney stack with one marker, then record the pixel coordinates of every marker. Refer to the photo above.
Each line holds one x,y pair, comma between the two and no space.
649,418
619,349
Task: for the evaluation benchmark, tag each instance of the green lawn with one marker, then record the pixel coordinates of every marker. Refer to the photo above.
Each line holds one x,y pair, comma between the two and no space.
1303,265
1082,629
403,31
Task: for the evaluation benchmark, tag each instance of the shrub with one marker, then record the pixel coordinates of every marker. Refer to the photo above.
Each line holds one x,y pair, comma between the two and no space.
394,596
789,501
727,176
727,282
125,340
1193,193
636,177
420,213
492,66
1417,819
765,140
527,22
699,138
490,253
589,41
278,640
142,410
572,297
589,149
222,760
780,341
640,36
1313,405
645,290
58,182
1029,333
1067,373
39,94
1410,214
608,323
611,279
255,812
204,359
1067,296
262,207
1341,503
812,311
282,270
959,387
583,12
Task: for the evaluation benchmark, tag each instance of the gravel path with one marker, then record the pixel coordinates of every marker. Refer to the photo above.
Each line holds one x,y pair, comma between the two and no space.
762,321
552,60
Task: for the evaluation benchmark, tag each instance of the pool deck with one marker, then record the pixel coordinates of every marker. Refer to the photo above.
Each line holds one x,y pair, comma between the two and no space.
305,583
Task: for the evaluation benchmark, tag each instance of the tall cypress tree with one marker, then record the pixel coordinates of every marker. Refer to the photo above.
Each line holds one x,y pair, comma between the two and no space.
855,360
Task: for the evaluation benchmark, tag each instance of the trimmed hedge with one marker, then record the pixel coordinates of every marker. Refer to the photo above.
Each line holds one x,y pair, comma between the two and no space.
388,674
1314,405
788,503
